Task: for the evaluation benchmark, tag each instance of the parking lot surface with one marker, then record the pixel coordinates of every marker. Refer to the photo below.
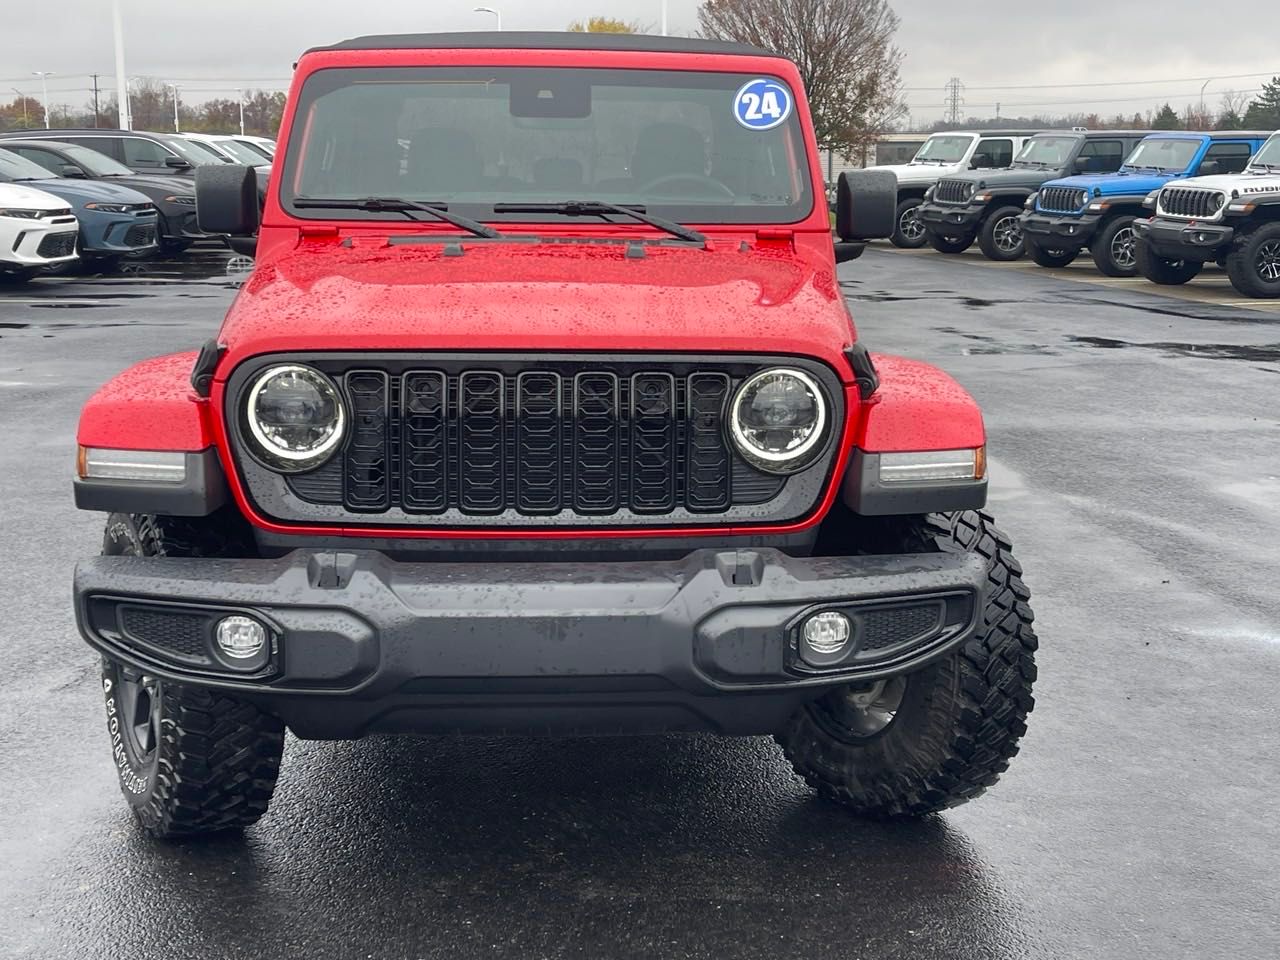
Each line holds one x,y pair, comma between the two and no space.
1133,441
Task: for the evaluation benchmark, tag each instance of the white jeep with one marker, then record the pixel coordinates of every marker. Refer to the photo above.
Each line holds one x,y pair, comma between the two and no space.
946,155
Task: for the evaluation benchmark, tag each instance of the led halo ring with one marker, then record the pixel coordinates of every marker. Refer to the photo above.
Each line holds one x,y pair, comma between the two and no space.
792,460
293,460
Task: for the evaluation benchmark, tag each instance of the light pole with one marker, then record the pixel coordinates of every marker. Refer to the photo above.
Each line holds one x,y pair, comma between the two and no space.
23,97
44,76
1202,90
664,17
122,82
174,88
497,15
240,100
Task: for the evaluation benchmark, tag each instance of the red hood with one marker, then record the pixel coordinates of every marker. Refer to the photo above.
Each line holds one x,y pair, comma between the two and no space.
537,296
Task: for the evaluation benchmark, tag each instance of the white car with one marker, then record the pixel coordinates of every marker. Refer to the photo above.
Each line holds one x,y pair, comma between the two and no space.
947,155
37,230
230,149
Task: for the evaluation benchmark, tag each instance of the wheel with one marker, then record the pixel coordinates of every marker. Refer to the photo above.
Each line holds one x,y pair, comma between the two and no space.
945,244
940,736
1049,258
17,276
1001,235
190,760
1254,266
1167,273
908,231
1113,246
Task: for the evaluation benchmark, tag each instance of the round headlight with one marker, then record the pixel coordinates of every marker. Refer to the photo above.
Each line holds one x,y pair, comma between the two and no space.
779,420
296,416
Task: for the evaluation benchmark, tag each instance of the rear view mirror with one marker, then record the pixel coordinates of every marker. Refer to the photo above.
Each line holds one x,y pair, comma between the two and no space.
866,205
227,200
980,161
176,163
1209,168
70,170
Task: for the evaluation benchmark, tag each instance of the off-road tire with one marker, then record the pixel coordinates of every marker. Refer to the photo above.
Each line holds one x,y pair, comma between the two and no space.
1251,261
947,244
1048,257
960,718
214,759
900,239
1167,273
991,238
1103,248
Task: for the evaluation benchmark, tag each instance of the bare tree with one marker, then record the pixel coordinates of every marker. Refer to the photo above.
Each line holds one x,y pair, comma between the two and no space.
845,52
606,25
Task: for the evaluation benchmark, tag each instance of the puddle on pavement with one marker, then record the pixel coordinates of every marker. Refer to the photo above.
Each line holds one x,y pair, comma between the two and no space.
1260,353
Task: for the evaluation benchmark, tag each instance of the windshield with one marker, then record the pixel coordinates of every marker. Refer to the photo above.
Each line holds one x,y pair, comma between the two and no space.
1164,154
194,153
943,150
14,167
238,152
1053,151
697,146
1269,155
98,164
256,149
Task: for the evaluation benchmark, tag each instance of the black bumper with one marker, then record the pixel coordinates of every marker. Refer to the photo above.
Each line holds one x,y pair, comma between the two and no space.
1179,240
951,219
1065,232
364,644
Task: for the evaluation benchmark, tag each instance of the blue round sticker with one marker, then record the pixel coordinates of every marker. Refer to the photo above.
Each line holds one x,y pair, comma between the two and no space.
762,104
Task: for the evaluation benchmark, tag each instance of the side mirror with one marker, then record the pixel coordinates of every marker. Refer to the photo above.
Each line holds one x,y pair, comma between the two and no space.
70,170
1081,165
866,206
176,163
1209,168
980,161
227,200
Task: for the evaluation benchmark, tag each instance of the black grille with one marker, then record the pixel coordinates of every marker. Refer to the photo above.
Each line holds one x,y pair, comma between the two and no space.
1063,199
888,628
57,245
140,235
178,633
1190,202
545,440
953,191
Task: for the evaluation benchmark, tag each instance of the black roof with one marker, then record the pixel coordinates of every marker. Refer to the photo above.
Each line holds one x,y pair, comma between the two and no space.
517,40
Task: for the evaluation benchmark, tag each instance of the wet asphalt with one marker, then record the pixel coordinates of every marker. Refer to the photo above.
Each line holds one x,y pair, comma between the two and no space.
1134,460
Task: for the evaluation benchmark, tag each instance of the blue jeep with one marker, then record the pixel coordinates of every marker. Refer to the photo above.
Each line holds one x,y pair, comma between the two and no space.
1097,211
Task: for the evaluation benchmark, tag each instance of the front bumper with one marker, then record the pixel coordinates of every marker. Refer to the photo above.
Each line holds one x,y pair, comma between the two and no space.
951,219
1182,240
115,234
364,644
38,243
1066,231
178,222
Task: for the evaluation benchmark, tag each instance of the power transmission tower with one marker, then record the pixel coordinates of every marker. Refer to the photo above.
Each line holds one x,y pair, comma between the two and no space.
955,100
96,113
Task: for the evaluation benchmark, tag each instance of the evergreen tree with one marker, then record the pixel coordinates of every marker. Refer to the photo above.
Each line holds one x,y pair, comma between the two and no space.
1166,119
1264,111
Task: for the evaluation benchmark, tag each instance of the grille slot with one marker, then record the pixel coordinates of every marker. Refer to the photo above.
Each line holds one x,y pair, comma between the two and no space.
140,235
953,191
366,477
1063,199
888,628
175,632
1190,202
57,244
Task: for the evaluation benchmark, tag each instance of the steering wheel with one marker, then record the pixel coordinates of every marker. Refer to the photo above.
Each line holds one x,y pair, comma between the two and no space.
693,178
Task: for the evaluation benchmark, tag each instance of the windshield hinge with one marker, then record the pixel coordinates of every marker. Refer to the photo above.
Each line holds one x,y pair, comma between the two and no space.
775,236
318,231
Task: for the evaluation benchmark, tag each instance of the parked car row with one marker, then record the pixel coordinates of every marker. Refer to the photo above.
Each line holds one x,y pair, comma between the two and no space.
1156,204
99,196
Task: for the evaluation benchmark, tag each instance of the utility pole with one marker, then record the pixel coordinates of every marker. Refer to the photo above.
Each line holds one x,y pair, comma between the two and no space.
97,114
122,82
240,100
44,76
664,17
23,97
174,87
955,99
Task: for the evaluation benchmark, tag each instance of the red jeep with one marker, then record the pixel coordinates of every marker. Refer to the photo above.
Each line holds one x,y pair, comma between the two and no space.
542,412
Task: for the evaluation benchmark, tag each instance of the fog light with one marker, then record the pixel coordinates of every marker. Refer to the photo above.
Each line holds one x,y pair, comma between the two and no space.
241,638
826,638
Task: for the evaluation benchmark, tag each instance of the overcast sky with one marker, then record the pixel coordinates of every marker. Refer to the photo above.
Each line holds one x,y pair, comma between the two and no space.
210,48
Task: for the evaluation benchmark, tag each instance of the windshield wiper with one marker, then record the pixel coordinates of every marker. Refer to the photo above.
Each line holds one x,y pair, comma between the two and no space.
600,208
396,205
